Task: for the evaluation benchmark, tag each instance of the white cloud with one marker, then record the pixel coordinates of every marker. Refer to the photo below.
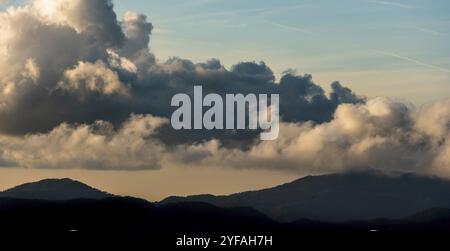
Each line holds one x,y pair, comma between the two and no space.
382,134
93,77
95,146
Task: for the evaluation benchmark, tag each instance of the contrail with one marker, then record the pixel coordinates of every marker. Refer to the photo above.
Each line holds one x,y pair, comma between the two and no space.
412,60
214,14
400,5
432,32
281,9
288,27
258,11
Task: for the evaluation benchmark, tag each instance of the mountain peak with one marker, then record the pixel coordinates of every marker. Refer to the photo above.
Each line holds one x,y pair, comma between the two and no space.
54,189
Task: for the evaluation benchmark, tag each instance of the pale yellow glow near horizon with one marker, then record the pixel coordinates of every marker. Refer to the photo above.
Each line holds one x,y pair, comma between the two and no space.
156,184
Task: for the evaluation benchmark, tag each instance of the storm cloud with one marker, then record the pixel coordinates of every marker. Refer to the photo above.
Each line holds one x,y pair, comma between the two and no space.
80,89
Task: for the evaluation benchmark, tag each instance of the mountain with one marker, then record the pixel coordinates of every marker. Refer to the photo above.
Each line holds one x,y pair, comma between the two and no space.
340,197
127,221
432,216
130,223
86,216
54,189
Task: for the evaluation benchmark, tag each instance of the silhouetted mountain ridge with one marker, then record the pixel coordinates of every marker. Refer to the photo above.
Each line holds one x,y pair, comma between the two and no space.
54,189
340,197
135,222
115,220
431,215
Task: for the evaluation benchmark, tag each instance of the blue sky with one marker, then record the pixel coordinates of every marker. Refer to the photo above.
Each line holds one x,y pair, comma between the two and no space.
389,48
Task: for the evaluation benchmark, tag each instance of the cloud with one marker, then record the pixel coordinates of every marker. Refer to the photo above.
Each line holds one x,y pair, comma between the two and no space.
73,62
73,78
382,134
95,18
94,146
93,77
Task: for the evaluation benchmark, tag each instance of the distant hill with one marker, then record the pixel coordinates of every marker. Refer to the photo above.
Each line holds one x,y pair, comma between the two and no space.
340,197
54,189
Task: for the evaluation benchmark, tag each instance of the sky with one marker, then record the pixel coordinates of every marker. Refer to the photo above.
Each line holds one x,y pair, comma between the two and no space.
404,43
357,42
83,95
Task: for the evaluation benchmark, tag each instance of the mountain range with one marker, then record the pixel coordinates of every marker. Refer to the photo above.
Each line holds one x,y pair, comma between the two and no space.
340,197
334,197
319,210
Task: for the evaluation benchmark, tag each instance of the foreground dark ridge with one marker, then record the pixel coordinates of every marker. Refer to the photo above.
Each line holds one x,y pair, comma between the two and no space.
129,221
340,197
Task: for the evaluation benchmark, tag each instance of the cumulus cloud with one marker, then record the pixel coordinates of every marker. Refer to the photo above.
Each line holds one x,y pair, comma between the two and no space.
381,134
94,146
72,78
53,52
93,77
94,18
